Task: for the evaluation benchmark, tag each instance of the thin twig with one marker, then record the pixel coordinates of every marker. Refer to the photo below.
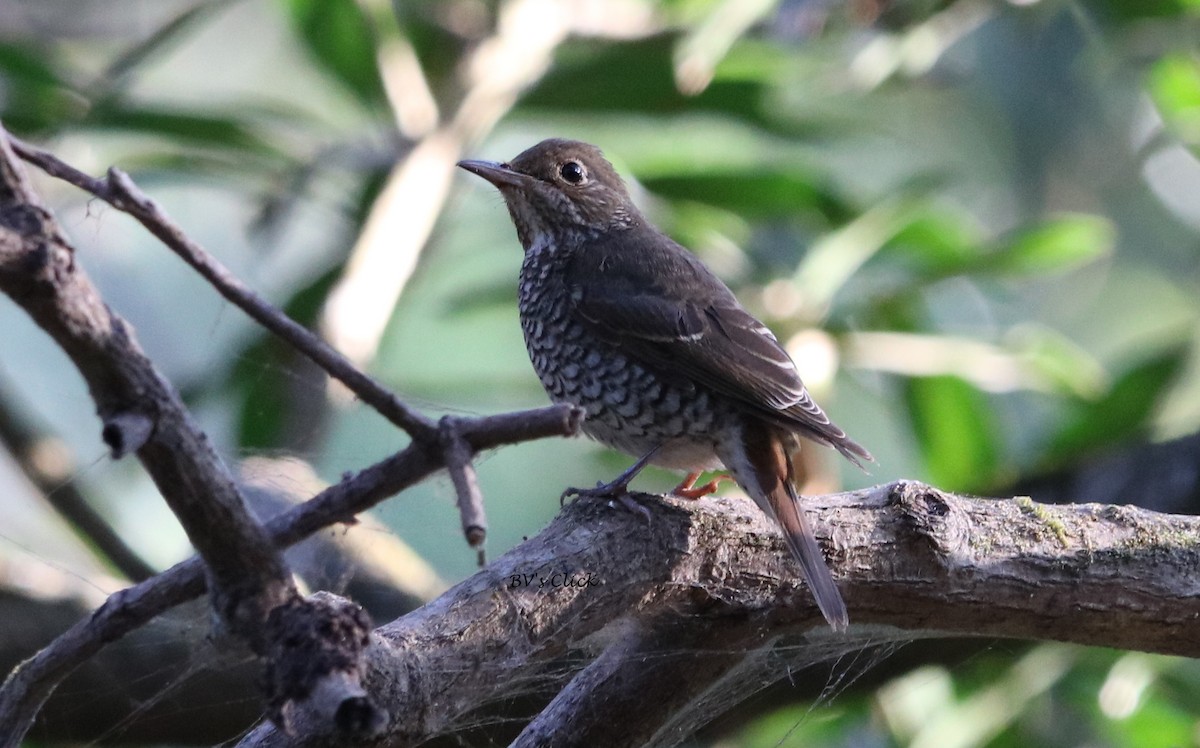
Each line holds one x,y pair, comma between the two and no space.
458,456
120,191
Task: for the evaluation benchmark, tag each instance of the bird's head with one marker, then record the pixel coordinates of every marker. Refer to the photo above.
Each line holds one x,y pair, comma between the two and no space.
558,188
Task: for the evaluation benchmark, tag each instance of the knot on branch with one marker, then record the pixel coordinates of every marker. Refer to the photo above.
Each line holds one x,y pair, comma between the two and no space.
315,662
927,512
27,220
126,432
28,240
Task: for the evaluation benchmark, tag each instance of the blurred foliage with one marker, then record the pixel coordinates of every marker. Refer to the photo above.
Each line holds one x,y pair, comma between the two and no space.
994,208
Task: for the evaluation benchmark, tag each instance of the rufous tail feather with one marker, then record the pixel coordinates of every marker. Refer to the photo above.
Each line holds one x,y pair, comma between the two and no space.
771,485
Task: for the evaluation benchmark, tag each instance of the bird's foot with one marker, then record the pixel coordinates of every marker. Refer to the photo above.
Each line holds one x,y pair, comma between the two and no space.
689,490
601,491
615,493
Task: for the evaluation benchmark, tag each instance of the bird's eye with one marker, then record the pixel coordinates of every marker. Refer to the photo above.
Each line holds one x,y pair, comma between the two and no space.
572,172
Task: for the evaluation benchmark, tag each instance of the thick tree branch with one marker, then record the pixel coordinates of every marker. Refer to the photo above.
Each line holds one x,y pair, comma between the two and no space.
29,685
140,410
910,560
250,589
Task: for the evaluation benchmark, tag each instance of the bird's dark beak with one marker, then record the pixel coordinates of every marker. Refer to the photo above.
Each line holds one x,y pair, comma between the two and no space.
498,174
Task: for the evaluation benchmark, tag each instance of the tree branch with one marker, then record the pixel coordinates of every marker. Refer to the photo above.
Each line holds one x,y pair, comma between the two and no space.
911,562
140,410
23,693
119,191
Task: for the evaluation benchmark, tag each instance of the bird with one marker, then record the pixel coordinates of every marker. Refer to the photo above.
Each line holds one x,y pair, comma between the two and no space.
668,366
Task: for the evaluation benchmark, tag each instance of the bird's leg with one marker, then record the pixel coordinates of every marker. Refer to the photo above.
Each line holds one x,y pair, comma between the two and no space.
689,490
618,488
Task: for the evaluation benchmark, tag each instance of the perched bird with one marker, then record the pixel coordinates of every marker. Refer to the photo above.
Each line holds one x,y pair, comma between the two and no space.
627,324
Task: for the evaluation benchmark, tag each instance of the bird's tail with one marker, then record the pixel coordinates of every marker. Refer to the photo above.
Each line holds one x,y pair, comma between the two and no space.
762,464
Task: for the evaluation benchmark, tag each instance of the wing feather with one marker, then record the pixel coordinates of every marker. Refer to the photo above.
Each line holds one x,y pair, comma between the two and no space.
660,305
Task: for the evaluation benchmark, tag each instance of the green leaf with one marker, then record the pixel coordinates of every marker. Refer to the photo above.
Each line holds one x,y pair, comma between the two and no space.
596,77
757,193
1056,246
956,431
936,242
497,294
339,37
265,377
183,125
1136,10
1124,411
1156,723
33,96
833,259
1174,84
1059,360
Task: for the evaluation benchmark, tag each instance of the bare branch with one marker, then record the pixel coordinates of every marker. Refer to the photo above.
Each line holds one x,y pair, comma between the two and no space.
458,457
139,408
313,648
365,561
120,191
910,560
29,685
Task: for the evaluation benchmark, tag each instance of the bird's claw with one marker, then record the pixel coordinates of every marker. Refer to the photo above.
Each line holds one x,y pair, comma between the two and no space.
601,491
616,493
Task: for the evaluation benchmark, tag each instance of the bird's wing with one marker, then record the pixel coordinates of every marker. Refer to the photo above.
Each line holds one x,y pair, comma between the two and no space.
653,300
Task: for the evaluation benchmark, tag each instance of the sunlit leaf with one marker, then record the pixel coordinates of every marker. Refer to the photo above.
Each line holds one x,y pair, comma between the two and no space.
833,259
936,242
1175,85
1059,360
707,43
1156,723
1056,246
956,430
